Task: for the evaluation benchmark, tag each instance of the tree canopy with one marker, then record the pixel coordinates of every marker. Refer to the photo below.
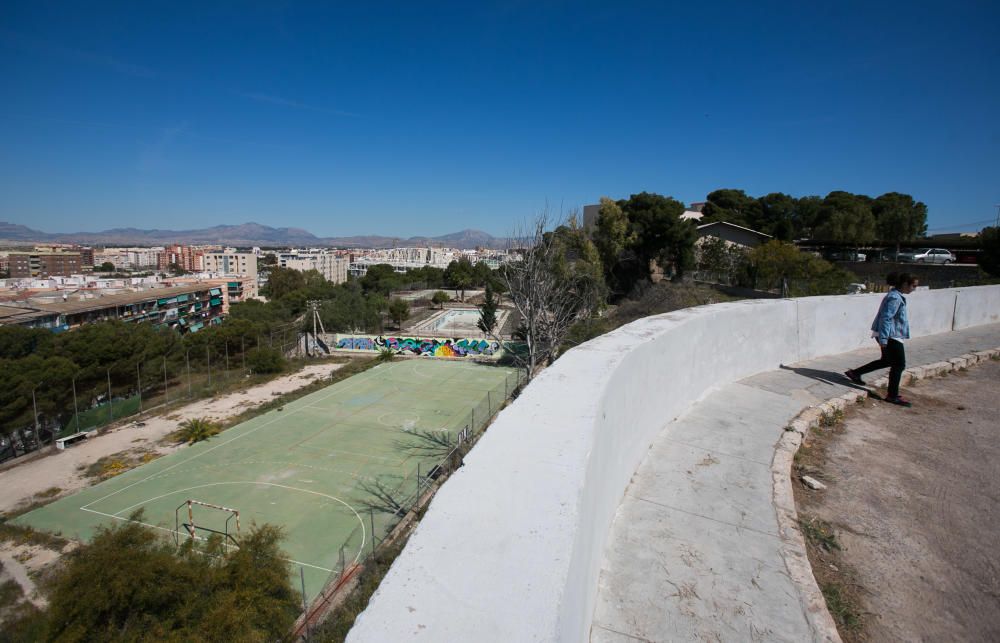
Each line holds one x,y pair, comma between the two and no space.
899,218
839,217
130,584
645,230
989,240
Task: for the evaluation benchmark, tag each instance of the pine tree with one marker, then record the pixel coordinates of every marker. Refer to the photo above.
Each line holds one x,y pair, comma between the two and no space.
488,312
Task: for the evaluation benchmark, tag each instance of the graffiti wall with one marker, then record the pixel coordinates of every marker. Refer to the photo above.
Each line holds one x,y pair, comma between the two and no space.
427,347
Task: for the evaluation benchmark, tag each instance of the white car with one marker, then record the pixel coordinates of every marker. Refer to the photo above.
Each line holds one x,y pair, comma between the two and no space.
928,255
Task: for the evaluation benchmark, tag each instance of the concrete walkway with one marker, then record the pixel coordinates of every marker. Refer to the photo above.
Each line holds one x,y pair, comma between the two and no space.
696,552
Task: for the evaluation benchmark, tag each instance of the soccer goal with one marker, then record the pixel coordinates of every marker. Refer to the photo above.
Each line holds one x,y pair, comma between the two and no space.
209,518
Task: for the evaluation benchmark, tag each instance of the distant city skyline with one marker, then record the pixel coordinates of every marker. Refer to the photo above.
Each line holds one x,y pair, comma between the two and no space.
409,120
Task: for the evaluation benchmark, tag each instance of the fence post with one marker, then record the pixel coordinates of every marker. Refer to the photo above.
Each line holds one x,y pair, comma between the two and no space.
166,394
111,409
371,516
138,383
76,409
305,606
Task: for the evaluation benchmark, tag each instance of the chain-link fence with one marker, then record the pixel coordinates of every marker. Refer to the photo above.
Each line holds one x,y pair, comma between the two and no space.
388,500
93,396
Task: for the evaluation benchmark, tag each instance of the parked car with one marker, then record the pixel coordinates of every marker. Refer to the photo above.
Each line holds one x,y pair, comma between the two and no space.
928,255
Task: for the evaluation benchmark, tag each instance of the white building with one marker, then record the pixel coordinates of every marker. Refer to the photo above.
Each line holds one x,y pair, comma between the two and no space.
231,263
331,266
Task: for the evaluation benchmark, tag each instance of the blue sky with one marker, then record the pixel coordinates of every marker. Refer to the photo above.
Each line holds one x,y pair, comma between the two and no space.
426,118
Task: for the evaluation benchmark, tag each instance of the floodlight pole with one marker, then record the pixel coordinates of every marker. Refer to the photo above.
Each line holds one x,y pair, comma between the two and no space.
187,361
138,381
166,395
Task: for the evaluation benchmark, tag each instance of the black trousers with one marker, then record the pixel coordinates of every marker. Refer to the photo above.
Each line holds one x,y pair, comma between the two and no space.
893,356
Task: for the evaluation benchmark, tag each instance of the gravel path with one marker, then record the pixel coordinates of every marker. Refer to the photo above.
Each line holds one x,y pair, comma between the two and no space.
63,469
914,500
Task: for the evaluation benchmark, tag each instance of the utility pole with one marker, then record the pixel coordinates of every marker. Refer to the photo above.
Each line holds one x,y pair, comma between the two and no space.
138,381
187,361
314,306
166,396
208,363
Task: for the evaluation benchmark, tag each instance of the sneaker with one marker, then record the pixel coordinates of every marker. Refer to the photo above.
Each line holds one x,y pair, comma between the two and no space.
900,400
854,377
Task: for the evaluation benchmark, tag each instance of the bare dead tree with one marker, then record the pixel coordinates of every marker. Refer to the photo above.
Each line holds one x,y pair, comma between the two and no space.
383,494
433,444
554,285
425,443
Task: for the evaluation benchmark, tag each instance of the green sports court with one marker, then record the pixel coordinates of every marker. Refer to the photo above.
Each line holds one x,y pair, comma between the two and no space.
299,467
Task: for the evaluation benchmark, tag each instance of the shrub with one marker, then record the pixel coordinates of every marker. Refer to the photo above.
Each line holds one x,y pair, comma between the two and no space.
129,584
266,360
197,429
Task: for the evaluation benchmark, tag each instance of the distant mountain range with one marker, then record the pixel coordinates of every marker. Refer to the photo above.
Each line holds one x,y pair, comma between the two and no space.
245,235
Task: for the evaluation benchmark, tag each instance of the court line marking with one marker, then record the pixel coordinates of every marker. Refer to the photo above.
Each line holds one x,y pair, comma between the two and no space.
406,415
364,531
221,444
377,370
146,524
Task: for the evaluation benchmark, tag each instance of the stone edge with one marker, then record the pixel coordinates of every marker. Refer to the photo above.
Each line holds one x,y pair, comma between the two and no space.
793,546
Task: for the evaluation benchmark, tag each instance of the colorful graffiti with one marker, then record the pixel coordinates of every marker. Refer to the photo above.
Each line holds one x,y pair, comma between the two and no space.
357,343
428,347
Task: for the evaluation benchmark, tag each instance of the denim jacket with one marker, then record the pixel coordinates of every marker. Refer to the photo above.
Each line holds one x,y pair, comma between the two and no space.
891,322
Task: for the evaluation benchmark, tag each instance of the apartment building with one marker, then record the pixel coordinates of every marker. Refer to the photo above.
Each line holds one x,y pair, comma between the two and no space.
187,308
189,258
43,264
332,265
231,263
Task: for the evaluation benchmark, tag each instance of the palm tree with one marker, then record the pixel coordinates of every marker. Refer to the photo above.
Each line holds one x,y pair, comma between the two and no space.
197,429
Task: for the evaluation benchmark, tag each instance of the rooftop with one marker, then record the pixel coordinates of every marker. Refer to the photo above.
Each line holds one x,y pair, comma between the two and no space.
79,305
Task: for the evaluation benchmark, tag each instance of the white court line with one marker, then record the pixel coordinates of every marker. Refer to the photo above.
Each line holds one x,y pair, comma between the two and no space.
364,532
146,524
221,444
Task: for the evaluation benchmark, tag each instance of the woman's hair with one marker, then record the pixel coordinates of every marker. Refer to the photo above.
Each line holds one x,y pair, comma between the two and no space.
892,279
903,279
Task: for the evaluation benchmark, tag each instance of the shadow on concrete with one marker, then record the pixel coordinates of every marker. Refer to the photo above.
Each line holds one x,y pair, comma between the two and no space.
828,377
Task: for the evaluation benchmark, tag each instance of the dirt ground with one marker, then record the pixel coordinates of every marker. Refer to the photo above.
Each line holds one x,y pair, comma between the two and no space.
63,471
905,541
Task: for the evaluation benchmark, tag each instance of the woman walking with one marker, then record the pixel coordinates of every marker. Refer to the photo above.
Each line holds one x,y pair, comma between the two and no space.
890,328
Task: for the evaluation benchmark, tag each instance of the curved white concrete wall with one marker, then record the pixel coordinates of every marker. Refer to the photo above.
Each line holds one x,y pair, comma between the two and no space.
511,547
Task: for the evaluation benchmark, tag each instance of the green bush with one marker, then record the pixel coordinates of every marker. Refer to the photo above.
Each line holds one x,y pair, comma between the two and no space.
197,429
130,584
266,360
